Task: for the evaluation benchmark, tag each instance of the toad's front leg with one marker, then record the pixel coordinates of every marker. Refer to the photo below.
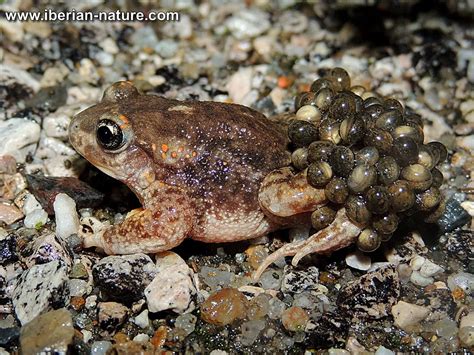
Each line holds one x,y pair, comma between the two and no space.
285,194
166,219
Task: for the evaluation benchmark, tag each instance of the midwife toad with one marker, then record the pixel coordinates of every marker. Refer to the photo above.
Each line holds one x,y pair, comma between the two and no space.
218,172
196,167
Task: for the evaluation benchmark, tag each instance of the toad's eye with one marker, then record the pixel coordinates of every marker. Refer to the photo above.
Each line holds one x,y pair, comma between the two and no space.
109,135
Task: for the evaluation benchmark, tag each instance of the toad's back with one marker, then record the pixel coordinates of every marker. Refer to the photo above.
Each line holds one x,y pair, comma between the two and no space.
219,152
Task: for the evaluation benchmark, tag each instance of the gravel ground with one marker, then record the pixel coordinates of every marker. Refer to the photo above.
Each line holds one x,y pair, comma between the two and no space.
415,294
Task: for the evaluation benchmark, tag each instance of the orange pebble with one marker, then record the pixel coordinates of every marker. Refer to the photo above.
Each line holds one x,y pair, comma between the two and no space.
159,338
284,82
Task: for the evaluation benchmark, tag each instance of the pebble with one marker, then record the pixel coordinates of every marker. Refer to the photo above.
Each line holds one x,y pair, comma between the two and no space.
10,75
297,281
8,249
248,23
371,295
56,124
78,288
18,137
418,279
275,308
111,315
46,248
186,322
358,260
250,331
294,319
214,277
462,280
141,338
46,188
48,99
36,219
429,269
51,332
9,213
466,329
100,347
38,289
224,307
67,219
382,350
407,315
446,328
166,48
271,279
123,278
173,286
240,84
9,335
142,319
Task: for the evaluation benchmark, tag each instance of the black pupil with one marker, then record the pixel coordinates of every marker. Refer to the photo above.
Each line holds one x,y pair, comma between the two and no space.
109,134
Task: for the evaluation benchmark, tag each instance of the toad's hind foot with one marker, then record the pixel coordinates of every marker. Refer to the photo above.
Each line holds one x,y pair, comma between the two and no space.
339,234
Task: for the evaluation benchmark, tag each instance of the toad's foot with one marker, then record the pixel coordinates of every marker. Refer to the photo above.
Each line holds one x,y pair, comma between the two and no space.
339,234
160,226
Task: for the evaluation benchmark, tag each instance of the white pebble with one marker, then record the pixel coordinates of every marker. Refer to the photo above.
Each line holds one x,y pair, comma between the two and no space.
463,280
382,350
141,338
467,320
406,315
358,260
173,286
417,262
36,218
420,280
67,220
142,319
18,133
429,269
87,335
31,204
248,23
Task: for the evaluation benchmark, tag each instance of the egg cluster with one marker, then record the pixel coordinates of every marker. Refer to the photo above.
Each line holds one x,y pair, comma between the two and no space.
368,154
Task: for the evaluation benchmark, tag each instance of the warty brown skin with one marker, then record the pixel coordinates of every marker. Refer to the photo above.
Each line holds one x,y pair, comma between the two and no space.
195,166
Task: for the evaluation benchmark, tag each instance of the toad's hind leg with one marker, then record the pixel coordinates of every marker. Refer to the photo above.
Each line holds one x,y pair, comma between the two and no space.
284,195
339,234
161,225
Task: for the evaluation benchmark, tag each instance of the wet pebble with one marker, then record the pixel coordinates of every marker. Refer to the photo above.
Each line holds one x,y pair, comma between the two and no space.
45,190
372,295
466,329
9,213
111,315
297,281
250,331
123,278
294,319
248,23
186,322
18,137
50,332
173,285
407,315
358,260
462,280
39,288
100,347
67,220
224,307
